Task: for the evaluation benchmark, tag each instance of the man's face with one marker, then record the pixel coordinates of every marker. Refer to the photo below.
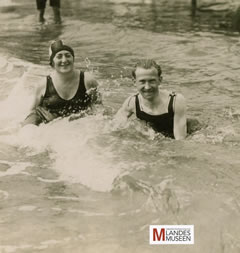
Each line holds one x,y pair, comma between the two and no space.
63,61
147,82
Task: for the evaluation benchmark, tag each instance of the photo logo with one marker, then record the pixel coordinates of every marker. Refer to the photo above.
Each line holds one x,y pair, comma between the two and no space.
171,234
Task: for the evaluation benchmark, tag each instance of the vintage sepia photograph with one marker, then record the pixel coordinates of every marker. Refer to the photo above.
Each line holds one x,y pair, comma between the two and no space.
119,126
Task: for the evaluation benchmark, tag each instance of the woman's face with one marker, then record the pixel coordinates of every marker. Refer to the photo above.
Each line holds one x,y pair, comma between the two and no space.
63,61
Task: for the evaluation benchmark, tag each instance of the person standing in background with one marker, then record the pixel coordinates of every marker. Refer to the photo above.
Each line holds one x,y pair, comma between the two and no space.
55,4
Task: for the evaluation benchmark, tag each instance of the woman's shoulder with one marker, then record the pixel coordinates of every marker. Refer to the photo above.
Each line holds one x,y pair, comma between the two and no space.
41,86
88,76
89,80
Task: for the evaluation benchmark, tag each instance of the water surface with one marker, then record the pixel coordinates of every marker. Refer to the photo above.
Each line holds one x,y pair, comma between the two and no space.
83,186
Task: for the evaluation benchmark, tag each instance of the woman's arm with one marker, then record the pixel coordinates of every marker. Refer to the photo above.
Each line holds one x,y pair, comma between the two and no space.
91,86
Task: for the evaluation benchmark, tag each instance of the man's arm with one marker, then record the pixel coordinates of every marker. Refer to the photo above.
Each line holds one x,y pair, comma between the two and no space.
180,126
126,110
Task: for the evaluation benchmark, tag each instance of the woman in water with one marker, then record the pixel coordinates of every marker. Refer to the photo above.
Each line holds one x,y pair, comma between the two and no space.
65,91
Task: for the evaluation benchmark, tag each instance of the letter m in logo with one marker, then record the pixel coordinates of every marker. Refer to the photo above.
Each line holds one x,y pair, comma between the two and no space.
158,234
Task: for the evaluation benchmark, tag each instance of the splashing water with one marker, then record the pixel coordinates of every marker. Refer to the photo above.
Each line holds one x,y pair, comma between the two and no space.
87,186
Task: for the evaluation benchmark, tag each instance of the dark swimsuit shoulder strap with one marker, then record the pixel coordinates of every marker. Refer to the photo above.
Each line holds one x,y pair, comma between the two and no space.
49,86
49,90
82,88
170,105
137,103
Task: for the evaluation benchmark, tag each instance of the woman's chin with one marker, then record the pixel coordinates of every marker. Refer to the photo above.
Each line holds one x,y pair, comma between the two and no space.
64,70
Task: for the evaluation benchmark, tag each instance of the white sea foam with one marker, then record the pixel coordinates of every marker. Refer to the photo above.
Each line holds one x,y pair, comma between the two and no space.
87,213
15,168
27,208
77,149
4,3
17,105
70,198
3,195
13,248
45,180
3,64
81,156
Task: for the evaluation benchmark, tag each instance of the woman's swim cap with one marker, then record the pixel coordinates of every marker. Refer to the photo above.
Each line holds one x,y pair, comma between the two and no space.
56,47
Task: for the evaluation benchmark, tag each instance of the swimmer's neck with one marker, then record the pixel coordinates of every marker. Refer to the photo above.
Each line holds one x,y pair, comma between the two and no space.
154,102
65,76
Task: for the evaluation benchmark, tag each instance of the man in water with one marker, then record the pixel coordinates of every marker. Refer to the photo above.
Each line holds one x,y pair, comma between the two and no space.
164,111
55,4
66,91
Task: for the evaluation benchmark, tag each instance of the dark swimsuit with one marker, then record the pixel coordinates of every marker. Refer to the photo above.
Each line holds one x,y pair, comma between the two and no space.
52,106
162,123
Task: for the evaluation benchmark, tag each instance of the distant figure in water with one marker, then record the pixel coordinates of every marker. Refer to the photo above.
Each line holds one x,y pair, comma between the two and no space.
55,4
236,20
164,111
66,91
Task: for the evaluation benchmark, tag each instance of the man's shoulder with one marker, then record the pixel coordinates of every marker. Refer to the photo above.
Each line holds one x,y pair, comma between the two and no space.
180,102
167,93
180,98
129,103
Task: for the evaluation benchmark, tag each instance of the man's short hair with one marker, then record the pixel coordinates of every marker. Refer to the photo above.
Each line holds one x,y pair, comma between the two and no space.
147,64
